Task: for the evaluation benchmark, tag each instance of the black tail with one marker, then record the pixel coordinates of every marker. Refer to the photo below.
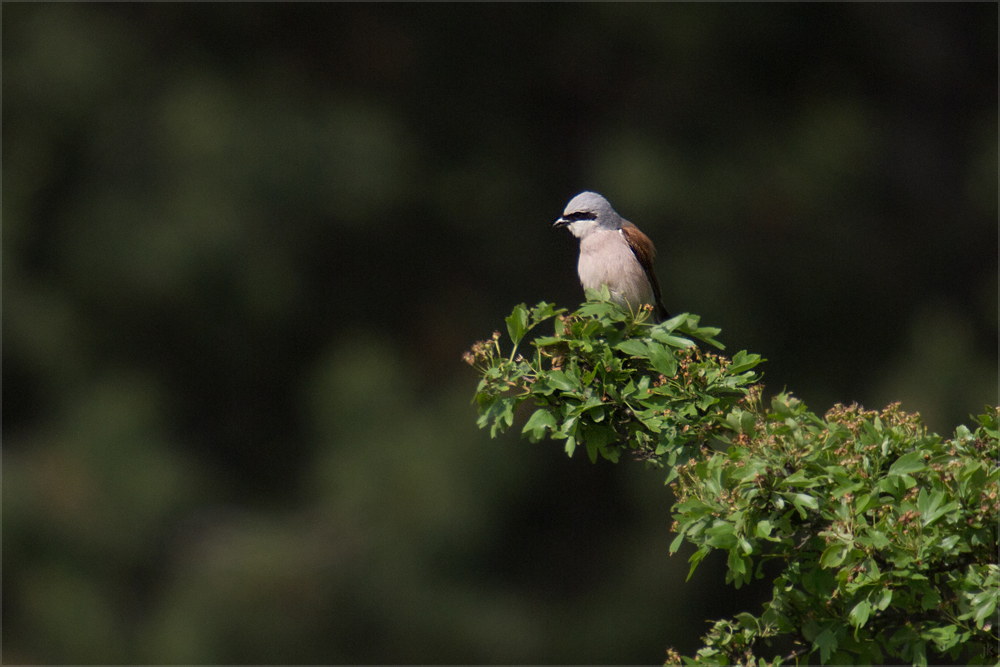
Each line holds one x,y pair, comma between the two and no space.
661,313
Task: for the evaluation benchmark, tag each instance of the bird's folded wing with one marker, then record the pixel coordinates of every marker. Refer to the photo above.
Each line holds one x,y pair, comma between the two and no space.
644,251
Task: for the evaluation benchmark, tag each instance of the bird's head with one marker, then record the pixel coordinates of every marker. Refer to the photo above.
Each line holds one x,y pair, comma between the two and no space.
588,212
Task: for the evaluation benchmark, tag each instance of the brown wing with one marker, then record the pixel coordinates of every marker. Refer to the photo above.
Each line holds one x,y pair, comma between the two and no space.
644,251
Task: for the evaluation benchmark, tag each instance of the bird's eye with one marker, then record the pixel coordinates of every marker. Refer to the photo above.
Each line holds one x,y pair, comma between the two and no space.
579,215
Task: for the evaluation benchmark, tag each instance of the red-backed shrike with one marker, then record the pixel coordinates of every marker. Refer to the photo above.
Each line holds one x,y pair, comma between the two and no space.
613,252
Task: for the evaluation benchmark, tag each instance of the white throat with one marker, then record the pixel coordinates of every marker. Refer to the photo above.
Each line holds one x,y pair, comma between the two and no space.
582,228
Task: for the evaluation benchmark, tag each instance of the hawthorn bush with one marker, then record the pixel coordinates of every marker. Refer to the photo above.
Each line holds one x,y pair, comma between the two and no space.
885,535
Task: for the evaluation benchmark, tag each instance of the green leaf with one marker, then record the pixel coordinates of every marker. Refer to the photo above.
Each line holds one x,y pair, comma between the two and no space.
677,541
930,506
863,503
541,421
748,621
706,334
696,558
501,413
944,638
859,615
721,535
544,311
633,347
784,405
610,453
662,359
834,555
930,599
600,295
801,500
517,323
706,401
600,435
672,341
989,604
826,642
799,478
543,341
908,463
561,380
570,446
883,598
744,362
737,565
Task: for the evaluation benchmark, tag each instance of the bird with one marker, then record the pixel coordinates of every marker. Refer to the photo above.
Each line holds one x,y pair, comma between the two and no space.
613,252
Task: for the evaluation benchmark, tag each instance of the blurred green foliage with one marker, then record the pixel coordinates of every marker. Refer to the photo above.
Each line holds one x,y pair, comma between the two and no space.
245,246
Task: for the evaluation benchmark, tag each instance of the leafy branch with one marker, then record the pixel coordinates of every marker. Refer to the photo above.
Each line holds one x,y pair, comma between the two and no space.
886,534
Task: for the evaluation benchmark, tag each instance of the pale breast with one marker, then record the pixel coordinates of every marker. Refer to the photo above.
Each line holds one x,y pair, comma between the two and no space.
606,259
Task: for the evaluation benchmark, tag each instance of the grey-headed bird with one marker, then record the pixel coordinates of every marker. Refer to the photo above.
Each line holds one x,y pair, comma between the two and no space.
613,252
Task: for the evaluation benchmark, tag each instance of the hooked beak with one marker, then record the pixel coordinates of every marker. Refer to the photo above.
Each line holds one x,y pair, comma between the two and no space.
561,222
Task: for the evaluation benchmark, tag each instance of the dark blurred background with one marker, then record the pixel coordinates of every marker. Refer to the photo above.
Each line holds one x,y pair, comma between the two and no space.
244,248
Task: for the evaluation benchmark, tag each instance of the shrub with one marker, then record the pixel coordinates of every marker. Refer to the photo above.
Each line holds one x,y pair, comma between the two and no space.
885,535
